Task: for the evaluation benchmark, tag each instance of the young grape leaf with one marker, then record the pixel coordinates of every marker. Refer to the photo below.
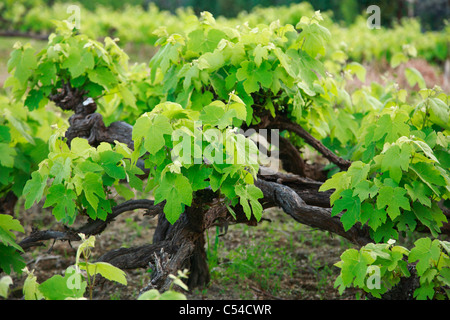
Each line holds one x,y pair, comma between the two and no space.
352,207
78,61
109,160
426,252
364,189
252,75
60,288
63,202
354,267
391,128
106,270
93,188
8,224
24,61
10,257
153,131
419,191
34,188
250,194
394,198
396,159
176,190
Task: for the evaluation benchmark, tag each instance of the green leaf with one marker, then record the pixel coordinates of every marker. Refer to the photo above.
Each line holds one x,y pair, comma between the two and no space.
172,295
253,76
8,153
354,267
198,176
34,99
426,252
24,61
429,174
109,161
5,282
78,61
364,189
352,207
63,202
93,189
395,160
106,270
151,294
391,128
424,292
34,188
260,53
61,288
176,190
419,191
7,225
61,169
31,288
357,172
439,112
393,198
10,257
103,76
413,76
358,69
152,131
248,196
374,217
215,115
201,42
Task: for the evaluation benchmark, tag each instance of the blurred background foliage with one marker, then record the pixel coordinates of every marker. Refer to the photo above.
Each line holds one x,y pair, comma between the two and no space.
432,13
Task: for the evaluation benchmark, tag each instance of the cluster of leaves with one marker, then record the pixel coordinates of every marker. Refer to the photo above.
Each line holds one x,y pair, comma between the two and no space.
86,64
10,252
134,24
402,174
23,144
189,150
377,268
76,179
270,67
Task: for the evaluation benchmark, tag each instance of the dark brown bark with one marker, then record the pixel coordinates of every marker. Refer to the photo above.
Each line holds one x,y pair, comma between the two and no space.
283,123
92,227
8,203
317,217
85,122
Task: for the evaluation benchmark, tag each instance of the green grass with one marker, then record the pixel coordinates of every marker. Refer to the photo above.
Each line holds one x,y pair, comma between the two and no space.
280,258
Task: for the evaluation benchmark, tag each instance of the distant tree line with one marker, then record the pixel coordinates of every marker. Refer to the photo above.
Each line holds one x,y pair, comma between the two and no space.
432,13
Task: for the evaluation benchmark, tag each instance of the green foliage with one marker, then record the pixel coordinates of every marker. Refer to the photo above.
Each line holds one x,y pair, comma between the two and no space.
397,181
376,268
79,176
10,251
209,78
183,156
